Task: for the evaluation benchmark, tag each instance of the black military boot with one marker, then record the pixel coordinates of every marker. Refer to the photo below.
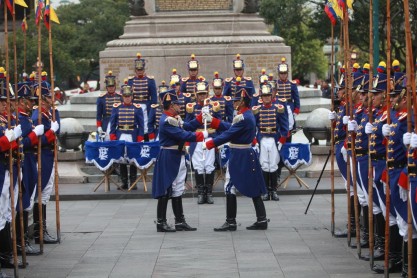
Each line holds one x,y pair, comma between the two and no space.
123,176
161,214
133,176
47,238
364,238
395,252
209,188
274,185
30,249
265,197
344,233
6,248
180,224
231,208
379,239
404,272
414,261
199,180
261,220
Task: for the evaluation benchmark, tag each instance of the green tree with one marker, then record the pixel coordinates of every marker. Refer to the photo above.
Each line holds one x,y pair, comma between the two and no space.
291,20
84,31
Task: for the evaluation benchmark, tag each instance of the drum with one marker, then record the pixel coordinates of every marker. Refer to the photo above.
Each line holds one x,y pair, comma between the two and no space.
142,154
296,154
104,154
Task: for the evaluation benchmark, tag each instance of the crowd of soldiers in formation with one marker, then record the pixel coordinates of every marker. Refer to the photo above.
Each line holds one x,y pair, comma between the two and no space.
379,133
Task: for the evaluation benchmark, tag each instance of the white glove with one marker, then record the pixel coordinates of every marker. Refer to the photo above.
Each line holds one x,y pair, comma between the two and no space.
206,134
369,128
180,121
279,146
413,141
406,138
17,131
256,148
187,149
352,126
295,116
54,126
208,117
100,130
386,130
205,110
332,115
204,146
345,120
39,130
9,133
403,194
344,153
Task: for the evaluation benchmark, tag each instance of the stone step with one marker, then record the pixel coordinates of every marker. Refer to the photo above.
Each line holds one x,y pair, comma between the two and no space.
89,98
308,92
310,104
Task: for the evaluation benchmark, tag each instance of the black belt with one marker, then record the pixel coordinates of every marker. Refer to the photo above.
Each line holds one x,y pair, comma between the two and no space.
361,152
412,170
268,129
396,164
378,156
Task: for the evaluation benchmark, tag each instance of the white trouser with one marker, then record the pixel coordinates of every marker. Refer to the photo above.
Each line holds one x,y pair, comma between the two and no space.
203,166
5,200
363,201
46,192
392,219
291,120
269,156
375,208
145,118
107,131
226,182
178,185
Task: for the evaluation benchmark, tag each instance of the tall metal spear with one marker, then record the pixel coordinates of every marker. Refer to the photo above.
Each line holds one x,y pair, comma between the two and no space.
332,225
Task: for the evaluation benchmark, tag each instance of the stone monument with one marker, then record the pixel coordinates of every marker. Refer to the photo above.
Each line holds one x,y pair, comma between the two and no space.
167,32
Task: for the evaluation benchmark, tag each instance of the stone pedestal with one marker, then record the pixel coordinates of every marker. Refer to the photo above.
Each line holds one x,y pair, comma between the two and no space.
215,34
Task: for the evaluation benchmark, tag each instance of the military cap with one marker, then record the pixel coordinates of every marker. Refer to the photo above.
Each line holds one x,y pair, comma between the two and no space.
139,62
127,91
193,63
168,97
217,81
238,63
45,89
110,79
163,87
202,86
266,89
176,78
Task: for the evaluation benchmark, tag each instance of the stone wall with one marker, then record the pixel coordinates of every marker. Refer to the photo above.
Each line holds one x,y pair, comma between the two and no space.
192,5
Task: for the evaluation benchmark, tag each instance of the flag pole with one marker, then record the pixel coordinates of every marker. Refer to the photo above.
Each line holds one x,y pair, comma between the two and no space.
56,186
332,134
24,42
11,188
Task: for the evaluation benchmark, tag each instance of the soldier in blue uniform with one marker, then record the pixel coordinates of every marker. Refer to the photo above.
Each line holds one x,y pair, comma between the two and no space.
189,83
288,90
230,83
244,169
29,141
203,160
183,98
155,114
144,91
105,104
272,125
170,170
126,123
226,105
48,140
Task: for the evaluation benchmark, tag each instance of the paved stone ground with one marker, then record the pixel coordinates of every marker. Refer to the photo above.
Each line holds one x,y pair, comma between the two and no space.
118,238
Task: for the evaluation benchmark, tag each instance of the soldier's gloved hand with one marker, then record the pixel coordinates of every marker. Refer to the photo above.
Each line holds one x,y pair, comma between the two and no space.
403,194
204,146
386,130
345,120
100,130
187,149
406,138
344,153
9,133
180,121
206,134
207,117
352,126
413,141
332,115
54,126
369,128
17,131
39,130
205,110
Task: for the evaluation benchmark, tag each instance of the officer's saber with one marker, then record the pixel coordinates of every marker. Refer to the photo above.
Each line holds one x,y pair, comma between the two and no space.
205,129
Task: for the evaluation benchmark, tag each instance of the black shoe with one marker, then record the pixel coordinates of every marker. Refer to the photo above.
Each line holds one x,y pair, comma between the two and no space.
274,196
364,244
209,199
30,250
7,262
163,227
184,227
4,275
201,199
259,225
226,227
344,233
394,266
265,197
47,238
379,255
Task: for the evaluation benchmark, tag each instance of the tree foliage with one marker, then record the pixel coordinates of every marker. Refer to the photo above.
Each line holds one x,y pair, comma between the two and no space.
84,31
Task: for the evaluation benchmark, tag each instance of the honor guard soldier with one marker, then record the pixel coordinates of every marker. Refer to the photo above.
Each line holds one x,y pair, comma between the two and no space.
183,98
126,123
29,141
144,90
288,90
263,79
226,105
105,104
125,81
244,172
170,170
203,161
230,83
156,113
272,125
48,140
189,83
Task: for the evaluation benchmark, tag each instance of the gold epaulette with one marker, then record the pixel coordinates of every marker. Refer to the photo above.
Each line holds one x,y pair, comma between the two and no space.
228,79
102,94
116,105
172,121
185,79
187,94
247,78
215,105
280,108
190,107
137,105
255,109
227,98
238,118
155,105
151,76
